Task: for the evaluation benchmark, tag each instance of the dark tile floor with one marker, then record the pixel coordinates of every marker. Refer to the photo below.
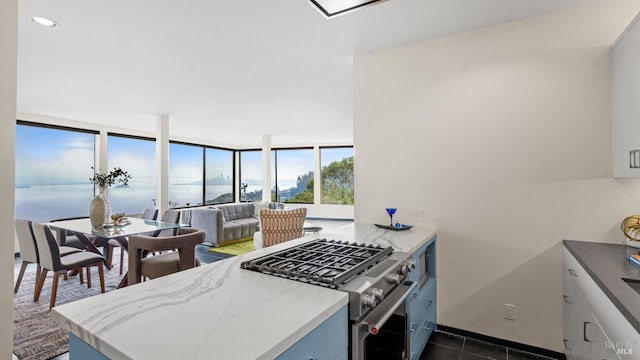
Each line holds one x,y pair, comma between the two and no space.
445,346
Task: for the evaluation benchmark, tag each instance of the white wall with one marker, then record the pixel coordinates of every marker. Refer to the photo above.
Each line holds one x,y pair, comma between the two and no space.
504,133
8,74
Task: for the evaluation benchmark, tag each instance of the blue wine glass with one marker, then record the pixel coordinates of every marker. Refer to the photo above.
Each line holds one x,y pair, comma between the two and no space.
391,211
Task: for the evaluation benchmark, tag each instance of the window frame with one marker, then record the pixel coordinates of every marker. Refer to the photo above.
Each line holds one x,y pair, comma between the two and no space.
204,171
320,148
240,170
275,162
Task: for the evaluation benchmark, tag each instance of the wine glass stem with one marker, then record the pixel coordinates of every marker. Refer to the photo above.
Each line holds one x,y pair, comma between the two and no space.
391,216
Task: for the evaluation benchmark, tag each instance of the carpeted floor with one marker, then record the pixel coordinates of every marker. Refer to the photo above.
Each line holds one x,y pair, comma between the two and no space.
36,336
235,248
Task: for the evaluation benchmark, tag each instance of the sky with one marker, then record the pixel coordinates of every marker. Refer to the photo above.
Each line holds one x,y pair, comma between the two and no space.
51,156
54,156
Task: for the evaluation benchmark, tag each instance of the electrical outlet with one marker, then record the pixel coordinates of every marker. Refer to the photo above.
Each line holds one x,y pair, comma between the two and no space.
509,311
423,213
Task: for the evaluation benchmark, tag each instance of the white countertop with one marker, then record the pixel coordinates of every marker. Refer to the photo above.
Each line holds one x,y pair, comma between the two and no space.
217,309
405,241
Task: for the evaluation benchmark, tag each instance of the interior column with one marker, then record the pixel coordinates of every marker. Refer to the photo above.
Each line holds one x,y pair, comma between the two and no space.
266,167
8,84
162,163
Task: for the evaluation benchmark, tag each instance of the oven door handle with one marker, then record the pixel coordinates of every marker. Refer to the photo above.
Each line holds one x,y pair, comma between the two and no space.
374,325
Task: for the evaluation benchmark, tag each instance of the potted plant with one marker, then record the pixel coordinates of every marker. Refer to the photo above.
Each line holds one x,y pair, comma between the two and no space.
99,208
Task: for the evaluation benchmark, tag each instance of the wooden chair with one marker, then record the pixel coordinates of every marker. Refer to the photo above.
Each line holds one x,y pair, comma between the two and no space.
164,264
50,260
278,226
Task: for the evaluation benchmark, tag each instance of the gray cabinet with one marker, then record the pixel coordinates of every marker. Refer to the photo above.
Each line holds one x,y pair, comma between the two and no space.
625,87
421,303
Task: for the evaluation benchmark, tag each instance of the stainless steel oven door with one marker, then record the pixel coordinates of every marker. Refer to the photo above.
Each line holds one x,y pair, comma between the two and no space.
364,330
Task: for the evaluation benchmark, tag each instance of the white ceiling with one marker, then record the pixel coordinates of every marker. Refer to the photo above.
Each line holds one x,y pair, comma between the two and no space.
225,72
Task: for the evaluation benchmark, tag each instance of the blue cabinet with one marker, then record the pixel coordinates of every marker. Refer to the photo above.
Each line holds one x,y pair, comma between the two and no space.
330,340
421,303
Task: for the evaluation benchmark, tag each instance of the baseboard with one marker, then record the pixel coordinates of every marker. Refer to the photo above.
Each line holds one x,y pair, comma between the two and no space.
502,342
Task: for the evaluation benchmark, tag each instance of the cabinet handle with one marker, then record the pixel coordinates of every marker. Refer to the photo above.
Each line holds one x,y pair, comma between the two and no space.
428,327
566,344
573,273
413,296
584,331
634,159
567,299
413,327
429,304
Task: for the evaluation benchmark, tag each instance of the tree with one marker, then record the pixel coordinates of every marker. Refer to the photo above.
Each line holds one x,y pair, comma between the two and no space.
303,192
337,182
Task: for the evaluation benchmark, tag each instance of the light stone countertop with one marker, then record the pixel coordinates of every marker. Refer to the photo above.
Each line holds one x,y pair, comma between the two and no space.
218,309
406,240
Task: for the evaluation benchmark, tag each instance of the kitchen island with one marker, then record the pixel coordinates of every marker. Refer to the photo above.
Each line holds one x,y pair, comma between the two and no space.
218,310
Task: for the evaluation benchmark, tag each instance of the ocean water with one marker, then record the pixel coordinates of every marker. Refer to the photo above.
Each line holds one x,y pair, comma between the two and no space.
43,203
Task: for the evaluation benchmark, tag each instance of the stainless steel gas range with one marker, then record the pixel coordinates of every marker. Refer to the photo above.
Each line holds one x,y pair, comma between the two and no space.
373,276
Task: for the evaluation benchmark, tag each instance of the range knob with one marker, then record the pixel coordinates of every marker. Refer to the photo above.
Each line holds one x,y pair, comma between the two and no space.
406,267
369,300
394,278
378,293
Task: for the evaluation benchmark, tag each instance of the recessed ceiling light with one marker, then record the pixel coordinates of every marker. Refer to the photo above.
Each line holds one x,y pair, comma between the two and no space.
332,8
48,23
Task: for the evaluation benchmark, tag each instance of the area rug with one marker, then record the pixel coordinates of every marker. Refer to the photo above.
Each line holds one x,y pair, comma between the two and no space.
35,335
238,248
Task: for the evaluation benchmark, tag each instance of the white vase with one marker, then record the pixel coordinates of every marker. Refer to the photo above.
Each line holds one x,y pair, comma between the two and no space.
99,211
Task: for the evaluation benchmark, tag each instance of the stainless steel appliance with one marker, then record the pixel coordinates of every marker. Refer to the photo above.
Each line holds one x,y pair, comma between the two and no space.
373,276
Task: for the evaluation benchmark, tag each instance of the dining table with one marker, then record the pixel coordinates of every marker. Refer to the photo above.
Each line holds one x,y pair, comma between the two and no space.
92,236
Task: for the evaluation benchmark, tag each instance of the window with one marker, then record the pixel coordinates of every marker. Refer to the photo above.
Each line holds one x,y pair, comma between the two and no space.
53,168
294,175
251,175
336,175
219,175
137,156
185,175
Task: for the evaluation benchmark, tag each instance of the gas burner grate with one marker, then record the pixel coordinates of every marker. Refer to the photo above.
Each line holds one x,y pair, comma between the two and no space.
328,263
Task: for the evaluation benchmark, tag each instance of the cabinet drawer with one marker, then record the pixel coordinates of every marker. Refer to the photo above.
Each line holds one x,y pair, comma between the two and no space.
620,334
419,303
581,281
421,335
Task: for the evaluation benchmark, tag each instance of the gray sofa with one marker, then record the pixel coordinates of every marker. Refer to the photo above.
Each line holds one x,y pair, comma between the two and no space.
227,223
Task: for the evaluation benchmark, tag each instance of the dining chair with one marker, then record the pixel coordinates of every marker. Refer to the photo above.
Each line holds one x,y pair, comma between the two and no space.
149,213
278,226
68,238
29,250
50,260
170,216
184,242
